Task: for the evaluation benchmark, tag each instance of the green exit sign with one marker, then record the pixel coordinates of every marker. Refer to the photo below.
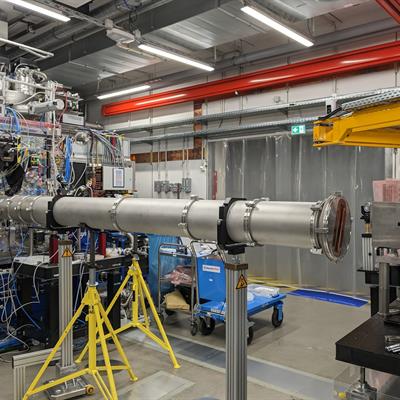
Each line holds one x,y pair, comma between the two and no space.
298,129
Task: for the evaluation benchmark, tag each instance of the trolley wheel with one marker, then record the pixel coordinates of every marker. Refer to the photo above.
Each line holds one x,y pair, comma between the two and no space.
250,336
90,390
207,329
275,318
194,329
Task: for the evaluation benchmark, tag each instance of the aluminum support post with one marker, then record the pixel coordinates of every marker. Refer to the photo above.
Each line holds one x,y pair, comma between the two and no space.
65,302
236,329
384,289
75,387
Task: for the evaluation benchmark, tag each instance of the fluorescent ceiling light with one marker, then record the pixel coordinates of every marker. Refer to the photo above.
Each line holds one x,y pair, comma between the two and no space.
38,9
175,57
272,23
123,92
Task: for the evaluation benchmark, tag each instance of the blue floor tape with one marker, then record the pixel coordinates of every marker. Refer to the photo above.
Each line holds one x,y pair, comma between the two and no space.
329,296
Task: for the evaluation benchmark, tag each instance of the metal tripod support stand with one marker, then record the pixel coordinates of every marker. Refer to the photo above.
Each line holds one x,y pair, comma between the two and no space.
140,293
97,319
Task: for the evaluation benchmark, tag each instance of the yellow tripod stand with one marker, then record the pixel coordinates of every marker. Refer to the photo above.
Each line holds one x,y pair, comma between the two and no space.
140,294
96,318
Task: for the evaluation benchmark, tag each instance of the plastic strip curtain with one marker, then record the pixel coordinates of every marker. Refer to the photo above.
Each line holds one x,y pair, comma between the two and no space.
289,168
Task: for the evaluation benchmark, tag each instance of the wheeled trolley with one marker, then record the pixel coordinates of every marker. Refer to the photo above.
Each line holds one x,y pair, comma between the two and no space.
211,293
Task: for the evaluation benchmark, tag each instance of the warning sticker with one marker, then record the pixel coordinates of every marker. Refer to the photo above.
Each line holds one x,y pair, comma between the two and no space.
242,282
67,253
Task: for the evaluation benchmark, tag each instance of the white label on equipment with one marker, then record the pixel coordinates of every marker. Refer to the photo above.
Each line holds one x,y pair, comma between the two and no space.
212,268
74,119
118,177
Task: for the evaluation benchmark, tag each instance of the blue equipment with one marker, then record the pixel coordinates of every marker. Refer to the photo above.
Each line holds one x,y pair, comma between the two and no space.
212,297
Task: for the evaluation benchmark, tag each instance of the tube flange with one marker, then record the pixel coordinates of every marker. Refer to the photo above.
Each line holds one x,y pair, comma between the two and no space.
184,217
113,213
250,206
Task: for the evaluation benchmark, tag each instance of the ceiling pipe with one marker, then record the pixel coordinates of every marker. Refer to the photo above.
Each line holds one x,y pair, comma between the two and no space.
317,68
247,112
392,7
365,31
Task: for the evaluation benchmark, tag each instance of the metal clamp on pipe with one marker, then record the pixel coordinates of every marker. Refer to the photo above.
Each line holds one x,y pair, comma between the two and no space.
51,223
251,205
316,209
113,213
224,241
184,217
9,203
29,210
18,209
330,227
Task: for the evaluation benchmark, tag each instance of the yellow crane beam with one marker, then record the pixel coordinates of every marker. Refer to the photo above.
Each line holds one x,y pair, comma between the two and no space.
376,126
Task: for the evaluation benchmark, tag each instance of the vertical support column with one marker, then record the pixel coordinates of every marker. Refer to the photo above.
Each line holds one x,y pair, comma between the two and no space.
92,259
113,284
103,243
31,241
52,315
19,382
53,249
78,242
236,330
65,302
384,289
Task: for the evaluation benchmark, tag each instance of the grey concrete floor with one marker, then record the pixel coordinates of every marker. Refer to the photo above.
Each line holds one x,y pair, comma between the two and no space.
198,382
305,342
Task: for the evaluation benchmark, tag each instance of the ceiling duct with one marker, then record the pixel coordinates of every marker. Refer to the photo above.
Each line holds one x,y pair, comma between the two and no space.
3,29
74,3
128,5
283,11
65,33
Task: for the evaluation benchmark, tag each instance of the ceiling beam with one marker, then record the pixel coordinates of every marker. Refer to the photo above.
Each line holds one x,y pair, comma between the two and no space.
178,10
96,42
70,12
165,15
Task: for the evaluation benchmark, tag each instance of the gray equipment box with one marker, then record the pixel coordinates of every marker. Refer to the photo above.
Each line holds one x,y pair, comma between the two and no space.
118,178
385,222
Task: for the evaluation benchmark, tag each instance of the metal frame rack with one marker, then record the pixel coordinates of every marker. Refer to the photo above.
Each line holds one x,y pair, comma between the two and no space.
188,254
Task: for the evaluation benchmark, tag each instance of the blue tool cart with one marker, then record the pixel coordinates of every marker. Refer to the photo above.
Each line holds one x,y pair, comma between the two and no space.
211,297
207,288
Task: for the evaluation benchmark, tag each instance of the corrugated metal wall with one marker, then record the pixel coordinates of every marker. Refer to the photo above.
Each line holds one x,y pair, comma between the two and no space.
290,168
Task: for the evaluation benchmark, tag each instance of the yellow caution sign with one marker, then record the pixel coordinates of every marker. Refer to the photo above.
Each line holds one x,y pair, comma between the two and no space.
67,253
242,282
